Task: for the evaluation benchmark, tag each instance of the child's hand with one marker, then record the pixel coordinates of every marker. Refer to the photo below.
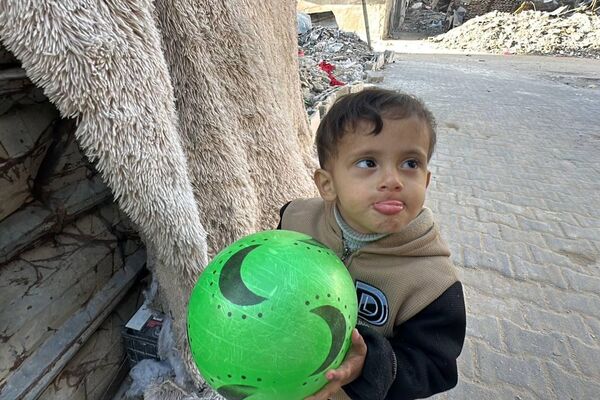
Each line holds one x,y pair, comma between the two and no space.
350,369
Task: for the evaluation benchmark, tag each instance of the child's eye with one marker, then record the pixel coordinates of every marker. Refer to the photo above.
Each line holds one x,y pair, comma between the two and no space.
367,163
410,164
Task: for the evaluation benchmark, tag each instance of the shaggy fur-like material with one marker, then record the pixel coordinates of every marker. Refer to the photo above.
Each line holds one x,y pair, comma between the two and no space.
198,131
102,63
235,74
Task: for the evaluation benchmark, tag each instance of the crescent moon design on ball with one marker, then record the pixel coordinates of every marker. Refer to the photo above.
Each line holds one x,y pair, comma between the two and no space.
236,392
337,324
231,284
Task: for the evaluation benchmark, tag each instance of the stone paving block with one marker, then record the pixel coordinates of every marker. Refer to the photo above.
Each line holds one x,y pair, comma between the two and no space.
543,320
497,218
582,282
507,208
547,274
466,360
579,251
587,221
486,328
492,194
570,386
498,262
494,245
541,345
516,235
520,199
593,329
567,301
519,371
472,201
587,358
469,390
546,215
468,239
483,303
544,256
577,232
456,211
528,224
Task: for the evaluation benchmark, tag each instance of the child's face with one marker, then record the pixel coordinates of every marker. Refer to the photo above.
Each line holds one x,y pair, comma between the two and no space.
379,181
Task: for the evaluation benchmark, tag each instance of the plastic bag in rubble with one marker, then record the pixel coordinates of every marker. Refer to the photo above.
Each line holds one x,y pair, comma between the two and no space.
304,22
145,373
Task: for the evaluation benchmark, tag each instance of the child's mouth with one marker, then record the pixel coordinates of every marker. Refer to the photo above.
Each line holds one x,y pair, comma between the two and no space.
389,207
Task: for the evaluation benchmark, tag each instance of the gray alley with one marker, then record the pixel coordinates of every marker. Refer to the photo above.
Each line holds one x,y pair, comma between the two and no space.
516,187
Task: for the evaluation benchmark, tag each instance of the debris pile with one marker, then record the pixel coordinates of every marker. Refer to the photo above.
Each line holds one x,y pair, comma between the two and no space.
420,18
529,32
329,57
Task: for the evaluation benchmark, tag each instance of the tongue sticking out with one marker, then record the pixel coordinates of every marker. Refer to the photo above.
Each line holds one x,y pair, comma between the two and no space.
389,207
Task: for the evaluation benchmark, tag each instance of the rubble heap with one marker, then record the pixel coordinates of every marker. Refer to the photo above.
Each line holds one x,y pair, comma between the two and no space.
528,32
320,49
420,18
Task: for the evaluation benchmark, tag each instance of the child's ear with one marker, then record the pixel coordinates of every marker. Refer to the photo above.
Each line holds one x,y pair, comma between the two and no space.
428,179
324,182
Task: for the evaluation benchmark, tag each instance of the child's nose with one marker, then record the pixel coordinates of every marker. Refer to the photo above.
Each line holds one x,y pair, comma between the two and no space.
391,181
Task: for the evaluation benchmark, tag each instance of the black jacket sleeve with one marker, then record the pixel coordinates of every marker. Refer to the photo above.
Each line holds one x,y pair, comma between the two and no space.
281,211
420,359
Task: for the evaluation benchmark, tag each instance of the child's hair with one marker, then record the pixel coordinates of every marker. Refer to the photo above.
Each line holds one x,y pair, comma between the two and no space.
370,105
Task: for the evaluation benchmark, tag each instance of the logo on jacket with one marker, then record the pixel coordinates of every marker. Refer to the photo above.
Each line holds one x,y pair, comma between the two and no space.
372,304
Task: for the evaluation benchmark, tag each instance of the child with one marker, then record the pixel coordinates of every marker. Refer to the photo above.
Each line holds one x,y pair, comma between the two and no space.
373,149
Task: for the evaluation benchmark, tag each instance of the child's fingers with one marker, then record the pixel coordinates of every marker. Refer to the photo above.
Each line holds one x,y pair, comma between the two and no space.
329,390
358,342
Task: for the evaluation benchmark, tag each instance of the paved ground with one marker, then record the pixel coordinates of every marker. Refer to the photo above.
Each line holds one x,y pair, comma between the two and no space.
516,188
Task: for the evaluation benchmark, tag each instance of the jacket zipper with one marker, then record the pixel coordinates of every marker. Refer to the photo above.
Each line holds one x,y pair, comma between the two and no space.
346,254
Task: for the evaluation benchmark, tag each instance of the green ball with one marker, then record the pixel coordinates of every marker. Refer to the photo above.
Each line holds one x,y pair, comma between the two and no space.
270,315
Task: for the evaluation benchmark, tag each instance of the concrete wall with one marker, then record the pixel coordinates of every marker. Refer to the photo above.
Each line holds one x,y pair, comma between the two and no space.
349,15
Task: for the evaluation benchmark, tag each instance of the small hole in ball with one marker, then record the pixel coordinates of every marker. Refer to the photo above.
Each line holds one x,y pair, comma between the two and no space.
304,383
229,314
212,283
243,316
218,306
339,299
258,379
328,294
229,375
296,244
243,377
260,315
318,251
307,302
317,297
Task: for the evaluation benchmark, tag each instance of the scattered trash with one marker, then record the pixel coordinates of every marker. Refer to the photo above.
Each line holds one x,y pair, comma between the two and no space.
329,58
304,22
